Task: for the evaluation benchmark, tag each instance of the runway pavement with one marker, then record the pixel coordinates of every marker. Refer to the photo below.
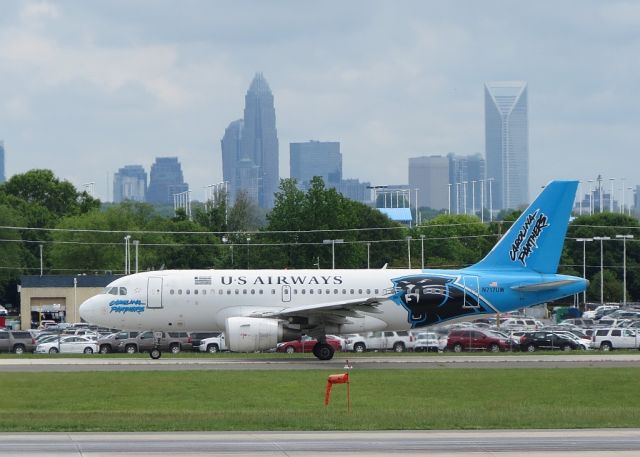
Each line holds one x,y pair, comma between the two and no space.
601,442
538,360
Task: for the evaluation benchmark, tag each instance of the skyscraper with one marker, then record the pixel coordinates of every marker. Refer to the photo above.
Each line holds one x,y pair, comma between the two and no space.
507,142
430,175
2,175
231,157
165,180
130,183
259,139
316,158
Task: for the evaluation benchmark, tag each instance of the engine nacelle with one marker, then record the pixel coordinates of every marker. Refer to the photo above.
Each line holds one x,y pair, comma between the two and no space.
249,334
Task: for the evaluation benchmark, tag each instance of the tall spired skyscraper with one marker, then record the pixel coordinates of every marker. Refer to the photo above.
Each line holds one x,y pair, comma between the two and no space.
507,142
250,147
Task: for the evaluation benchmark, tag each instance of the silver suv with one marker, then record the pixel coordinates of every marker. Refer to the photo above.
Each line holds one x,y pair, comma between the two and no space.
16,341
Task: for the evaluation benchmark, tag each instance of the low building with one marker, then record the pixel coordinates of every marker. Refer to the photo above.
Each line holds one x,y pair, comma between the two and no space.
57,297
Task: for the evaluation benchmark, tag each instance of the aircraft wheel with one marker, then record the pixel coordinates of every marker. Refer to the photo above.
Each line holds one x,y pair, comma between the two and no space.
155,353
323,351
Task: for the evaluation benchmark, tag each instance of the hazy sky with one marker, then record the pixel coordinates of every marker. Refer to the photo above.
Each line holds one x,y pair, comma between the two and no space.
89,86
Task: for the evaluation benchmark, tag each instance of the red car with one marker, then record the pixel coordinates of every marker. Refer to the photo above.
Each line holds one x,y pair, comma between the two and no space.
305,344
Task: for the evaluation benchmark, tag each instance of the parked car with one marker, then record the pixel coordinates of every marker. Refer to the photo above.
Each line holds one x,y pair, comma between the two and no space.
213,344
16,341
112,342
68,344
579,322
474,340
384,341
520,323
173,342
306,344
428,341
607,339
532,341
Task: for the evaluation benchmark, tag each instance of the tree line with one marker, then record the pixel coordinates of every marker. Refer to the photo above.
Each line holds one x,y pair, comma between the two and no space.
305,229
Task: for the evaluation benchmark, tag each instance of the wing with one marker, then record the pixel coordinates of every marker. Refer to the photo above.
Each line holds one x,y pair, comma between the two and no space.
328,313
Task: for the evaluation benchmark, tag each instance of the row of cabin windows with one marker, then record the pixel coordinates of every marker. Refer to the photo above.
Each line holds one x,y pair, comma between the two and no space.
273,291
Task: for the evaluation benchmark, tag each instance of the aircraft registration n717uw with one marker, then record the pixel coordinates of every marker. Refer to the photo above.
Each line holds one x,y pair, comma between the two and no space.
259,308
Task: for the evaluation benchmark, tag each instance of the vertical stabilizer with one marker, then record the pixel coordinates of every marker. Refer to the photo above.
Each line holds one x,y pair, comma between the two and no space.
535,240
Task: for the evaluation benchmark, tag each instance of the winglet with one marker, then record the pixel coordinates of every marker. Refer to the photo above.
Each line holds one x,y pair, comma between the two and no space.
535,240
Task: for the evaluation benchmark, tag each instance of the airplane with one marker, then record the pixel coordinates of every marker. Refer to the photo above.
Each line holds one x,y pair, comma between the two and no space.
259,308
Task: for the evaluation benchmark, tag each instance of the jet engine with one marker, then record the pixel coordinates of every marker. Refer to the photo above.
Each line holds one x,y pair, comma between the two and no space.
249,334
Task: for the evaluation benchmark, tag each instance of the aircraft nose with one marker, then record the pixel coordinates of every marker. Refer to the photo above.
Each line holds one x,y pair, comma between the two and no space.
91,310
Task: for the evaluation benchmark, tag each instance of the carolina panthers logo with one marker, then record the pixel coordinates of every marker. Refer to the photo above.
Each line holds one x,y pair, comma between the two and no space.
432,299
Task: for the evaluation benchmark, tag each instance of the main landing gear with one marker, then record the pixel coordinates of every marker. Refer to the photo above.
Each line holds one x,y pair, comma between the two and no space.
323,351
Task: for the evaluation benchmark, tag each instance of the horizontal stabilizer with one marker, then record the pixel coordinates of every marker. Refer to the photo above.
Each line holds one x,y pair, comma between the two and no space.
544,285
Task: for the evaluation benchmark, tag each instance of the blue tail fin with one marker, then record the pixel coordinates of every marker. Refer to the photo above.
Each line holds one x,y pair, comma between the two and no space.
535,240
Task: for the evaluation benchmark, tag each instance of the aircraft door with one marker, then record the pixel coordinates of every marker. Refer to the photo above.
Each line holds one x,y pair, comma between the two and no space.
286,293
154,292
471,291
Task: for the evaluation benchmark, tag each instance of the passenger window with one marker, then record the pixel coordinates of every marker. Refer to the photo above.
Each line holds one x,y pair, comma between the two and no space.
195,291
204,291
228,291
311,291
344,291
123,291
253,291
303,291
368,291
188,291
171,291
328,291
244,291
295,291
273,291
220,292
351,291
179,291
237,292
376,291
260,292
335,291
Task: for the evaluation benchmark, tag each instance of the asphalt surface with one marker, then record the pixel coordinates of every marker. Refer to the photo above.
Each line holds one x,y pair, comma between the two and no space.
538,360
601,442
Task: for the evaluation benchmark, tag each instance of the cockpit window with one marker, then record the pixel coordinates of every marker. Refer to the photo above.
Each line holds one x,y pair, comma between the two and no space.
111,291
123,291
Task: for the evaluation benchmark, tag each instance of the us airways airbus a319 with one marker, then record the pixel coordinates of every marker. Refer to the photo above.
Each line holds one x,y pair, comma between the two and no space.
259,308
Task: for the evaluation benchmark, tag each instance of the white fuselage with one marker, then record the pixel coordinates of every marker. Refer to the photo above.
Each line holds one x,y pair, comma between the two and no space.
203,299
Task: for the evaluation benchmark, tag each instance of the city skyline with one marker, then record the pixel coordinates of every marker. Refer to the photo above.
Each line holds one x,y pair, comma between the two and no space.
88,88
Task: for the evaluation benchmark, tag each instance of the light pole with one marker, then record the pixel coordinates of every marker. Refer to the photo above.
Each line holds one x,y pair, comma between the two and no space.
623,197
248,240
449,199
422,249
473,198
624,265
226,240
490,200
368,256
409,251
136,243
611,195
457,198
40,259
482,201
333,250
584,264
127,262
601,239
590,197
464,195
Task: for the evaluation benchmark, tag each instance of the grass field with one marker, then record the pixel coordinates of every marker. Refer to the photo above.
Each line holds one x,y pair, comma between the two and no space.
293,400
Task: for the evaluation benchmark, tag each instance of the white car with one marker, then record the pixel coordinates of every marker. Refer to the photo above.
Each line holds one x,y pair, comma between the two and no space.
68,344
607,339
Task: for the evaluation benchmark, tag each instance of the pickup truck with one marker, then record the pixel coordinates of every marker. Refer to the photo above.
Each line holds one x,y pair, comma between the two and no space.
213,344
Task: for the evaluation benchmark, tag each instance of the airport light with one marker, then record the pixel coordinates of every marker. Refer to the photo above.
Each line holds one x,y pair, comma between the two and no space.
584,242
422,249
482,200
473,198
624,239
611,195
40,246
601,239
464,195
590,197
490,200
409,251
333,250
449,199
